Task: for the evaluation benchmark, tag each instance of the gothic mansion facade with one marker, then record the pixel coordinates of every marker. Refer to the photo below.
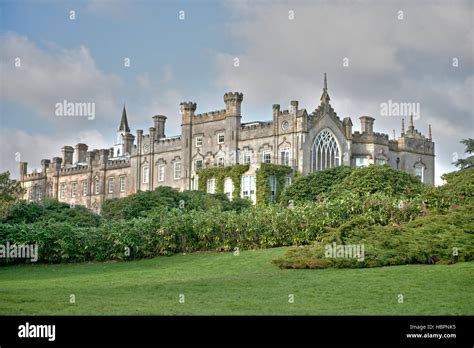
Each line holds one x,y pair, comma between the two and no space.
306,142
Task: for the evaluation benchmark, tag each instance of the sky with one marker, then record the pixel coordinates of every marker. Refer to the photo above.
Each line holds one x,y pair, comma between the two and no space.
372,51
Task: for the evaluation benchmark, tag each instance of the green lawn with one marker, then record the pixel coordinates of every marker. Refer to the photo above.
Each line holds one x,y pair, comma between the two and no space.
221,283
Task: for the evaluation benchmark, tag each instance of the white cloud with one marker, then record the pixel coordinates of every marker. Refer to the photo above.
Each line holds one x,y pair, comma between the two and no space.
407,60
160,96
33,147
46,78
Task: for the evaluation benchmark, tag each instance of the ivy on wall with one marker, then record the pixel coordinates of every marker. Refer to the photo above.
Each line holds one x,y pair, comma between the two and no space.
220,174
263,184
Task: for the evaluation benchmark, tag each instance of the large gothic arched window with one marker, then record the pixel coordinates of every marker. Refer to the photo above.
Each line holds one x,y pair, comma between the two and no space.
325,153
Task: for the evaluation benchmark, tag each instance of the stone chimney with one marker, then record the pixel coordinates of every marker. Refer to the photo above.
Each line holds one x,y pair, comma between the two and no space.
294,108
66,154
128,143
90,157
139,138
81,153
366,124
45,165
23,169
103,156
152,132
159,122
275,114
57,163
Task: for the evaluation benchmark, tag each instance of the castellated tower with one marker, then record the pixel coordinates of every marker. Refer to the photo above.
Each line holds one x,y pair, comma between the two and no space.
233,102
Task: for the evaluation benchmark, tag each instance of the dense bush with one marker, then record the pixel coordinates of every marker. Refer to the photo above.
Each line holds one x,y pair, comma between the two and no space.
163,197
139,204
167,231
377,205
50,210
199,200
458,190
381,179
435,238
309,187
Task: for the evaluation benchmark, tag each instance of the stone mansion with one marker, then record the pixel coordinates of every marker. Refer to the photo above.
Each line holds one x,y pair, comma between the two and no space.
307,141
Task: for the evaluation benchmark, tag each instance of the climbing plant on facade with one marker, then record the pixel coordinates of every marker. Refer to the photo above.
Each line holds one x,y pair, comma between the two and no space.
220,174
280,172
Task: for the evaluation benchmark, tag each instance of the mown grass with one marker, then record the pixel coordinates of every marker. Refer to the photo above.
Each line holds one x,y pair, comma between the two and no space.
225,284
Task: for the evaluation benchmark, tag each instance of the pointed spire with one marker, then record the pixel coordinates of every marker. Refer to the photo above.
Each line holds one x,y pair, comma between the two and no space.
325,95
123,122
411,121
394,136
429,133
403,126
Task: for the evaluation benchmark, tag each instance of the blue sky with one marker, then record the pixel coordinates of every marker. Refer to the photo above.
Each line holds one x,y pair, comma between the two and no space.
148,32
173,60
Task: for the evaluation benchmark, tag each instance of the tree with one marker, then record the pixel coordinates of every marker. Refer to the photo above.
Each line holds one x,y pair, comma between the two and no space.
10,192
469,161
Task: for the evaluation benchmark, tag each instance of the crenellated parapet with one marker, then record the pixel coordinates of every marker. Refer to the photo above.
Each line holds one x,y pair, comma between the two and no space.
233,97
374,137
210,116
34,176
173,139
118,163
74,170
256,125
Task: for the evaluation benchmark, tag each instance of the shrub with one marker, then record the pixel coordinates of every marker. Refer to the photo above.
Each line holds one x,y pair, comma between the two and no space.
427,240
458,190
381,179
51,209
163,197
309,187
139,204
166,231
384,214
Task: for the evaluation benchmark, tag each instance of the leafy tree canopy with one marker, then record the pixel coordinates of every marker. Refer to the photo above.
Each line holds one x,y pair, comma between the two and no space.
10,192
468,162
